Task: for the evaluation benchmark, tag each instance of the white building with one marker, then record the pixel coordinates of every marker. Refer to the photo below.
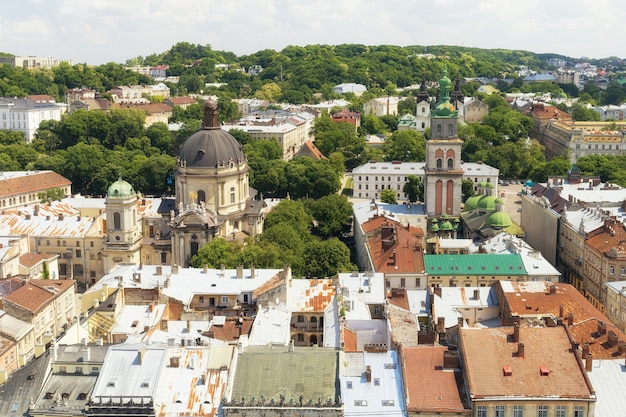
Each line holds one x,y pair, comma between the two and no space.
372,178
24,115
381,106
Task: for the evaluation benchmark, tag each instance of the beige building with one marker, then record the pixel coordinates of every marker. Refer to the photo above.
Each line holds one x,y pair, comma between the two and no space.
212,192
475,111
616,303
382,106
30,62
528,371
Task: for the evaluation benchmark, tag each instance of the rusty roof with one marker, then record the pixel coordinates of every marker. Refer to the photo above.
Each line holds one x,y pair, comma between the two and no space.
36,294
49,226
612,236
311,295
535,298
429,388
548,368
30,182
230,330
275,282
393,247
31,259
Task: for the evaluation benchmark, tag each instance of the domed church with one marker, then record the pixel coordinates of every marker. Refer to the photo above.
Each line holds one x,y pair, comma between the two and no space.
213,197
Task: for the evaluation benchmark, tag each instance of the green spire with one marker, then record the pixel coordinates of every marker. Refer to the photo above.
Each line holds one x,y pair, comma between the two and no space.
444,108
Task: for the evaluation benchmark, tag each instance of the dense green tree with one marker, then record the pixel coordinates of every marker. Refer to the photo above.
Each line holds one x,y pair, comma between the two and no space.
326,258
332,215
291,212
555,167
406,146
388,196
581,113
51,194
216,253
160,137
414,189
467,187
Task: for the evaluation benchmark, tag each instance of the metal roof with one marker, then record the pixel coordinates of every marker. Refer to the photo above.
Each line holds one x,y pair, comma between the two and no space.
475,264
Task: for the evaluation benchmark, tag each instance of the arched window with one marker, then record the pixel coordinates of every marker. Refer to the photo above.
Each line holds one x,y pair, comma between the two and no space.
439,163
201,196
117,221
193,248
313,340
450,163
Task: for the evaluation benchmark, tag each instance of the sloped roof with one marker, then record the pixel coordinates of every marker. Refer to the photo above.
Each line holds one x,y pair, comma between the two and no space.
547,369
270,373
29,182
430,388
399,252
36,294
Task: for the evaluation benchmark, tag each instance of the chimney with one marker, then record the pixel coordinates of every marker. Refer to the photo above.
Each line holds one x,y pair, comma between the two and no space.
585,350
441,324
451,359
476,294
516,333
239,271
36,210
252,272
175,361
223,269
140,355
588,362
570,319
560,310
601,327
520,350
437,291
205,268
368,373
552,289
622,347
174,269
151,307
612,338
188,326
86,354
291,346
159,270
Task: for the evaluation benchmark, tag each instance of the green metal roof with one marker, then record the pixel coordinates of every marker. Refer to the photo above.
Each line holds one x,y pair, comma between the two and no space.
475,264
270,373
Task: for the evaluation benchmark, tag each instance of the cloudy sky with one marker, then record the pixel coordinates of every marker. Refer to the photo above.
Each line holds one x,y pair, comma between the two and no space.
100,31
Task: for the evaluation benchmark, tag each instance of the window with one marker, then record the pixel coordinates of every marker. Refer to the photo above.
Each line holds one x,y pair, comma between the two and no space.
542,411
78,253
579,411
376,310
360,403
450,163
201,299
439,163
518,411
402,282
622,270
224,299
561,411
232,195
163,257
349,384
612,270
300,319
79,370
117,221
388,403
481,411
300,337
499,411
418,282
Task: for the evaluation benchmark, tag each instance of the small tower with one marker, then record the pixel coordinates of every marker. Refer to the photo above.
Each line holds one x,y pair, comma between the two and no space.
443,170
123,228
422,111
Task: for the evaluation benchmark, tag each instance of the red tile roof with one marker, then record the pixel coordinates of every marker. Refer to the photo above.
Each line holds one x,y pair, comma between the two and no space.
231,330
33,182
36,293
525,300
429,388
487,352
393,247
31,259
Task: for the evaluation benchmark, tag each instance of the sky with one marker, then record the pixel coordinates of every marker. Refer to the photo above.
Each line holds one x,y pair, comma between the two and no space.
100,31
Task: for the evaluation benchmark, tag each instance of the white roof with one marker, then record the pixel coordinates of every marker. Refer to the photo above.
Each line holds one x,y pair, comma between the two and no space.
186,283
403,213
617,286
270,326
419,302
463,297
133,319
609,379
417,168
13,327
384,395
368,287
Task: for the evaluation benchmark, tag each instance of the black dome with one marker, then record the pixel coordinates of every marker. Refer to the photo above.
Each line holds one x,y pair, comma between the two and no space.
209,148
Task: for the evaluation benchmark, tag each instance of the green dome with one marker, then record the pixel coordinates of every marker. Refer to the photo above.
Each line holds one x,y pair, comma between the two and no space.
499,219
489,185
434,221
499,201
445,108
434,227
471,202
487,203
445,216
445,226
121,189
482,184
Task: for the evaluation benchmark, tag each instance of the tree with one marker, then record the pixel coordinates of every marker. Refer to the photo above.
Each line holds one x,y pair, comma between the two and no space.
326,258
414,189
332,215
51,194
581,113
467,187
291,212
215,253
406,146
388,196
